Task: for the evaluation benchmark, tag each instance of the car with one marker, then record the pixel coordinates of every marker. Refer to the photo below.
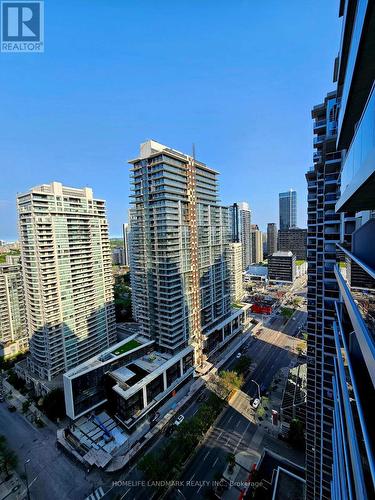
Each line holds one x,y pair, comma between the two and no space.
12,408
238,355
154,418
179,420
255,403
294,319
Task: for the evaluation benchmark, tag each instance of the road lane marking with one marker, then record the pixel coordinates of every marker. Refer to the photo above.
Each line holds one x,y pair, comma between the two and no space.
213,465
192,477
237,424
230,418
126,492
206,455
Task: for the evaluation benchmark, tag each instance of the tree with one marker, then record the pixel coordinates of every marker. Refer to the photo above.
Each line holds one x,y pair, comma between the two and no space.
231,380
8,459
54,404
152,467
242,365
231,460
25,406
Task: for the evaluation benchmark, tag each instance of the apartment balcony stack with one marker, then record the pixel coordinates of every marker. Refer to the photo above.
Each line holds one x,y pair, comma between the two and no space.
341,279
323,233
67,274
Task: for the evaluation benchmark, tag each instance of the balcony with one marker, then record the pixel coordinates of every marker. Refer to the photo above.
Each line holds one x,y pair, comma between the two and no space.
358,172
359,305
319,139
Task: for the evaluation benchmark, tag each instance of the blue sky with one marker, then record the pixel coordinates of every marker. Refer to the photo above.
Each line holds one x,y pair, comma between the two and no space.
238,78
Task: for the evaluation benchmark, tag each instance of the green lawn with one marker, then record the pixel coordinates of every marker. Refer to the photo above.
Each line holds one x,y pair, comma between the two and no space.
237,306
132,344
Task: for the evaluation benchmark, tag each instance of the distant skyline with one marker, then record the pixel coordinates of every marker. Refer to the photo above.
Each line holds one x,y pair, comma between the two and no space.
236,79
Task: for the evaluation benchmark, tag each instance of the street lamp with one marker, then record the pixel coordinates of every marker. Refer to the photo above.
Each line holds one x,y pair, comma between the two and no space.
27,479
256,383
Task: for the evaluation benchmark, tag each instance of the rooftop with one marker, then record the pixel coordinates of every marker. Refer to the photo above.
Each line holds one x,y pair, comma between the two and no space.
282,254
125,347
122,348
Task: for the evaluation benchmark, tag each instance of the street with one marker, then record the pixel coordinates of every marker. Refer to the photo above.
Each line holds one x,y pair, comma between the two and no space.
48,467
51,474
233,431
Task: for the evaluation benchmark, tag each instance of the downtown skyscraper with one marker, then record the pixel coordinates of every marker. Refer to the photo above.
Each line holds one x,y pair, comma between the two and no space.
179,251
271,238
66,263
341,272
240,230
288,209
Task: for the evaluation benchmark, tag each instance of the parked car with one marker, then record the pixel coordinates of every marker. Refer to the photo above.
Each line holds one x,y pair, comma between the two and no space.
255,403
179,420
12,408
155,417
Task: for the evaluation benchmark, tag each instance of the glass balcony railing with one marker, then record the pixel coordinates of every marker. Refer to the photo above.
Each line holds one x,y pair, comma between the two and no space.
353,52
361,154
357,286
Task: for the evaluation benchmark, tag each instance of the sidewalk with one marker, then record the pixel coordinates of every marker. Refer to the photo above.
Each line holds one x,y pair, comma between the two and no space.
12,488
15,398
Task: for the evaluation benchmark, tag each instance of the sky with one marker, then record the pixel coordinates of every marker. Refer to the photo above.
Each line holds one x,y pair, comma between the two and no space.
236,78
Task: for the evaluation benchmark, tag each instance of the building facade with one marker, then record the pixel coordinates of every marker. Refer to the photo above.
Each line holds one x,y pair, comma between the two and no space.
322,292
341,275
179,250
240,230
66,262
282,267
118,256
256,244
13,332
295,240
271,238
126,235
288,209
235,272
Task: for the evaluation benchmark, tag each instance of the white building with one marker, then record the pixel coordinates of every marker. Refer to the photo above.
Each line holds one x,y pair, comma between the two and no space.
13,331
235,272
67,269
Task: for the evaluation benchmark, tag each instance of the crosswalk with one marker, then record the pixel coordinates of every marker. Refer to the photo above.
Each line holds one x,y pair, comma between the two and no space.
96,495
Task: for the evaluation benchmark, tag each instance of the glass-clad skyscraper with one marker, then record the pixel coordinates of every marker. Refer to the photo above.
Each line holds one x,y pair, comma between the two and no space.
288,209
179,249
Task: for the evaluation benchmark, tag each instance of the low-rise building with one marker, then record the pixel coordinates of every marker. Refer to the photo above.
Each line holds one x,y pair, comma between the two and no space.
282,267
131,378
